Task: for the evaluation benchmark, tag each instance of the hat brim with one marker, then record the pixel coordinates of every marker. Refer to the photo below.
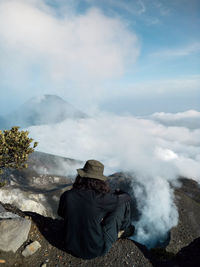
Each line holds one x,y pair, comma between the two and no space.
82,173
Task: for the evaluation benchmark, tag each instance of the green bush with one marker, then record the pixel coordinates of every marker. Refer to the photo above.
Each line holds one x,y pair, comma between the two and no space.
15,146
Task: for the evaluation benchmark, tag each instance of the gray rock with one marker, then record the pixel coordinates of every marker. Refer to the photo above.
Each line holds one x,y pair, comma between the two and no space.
31,249
8,215
2,209
13,233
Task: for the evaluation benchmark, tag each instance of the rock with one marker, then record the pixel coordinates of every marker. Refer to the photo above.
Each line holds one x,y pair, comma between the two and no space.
8,215
44,265
30,189
13,209
31,249
189,217
13,233
189,256
2,209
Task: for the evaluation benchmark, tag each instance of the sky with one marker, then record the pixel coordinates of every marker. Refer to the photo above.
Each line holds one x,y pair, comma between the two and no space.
122,56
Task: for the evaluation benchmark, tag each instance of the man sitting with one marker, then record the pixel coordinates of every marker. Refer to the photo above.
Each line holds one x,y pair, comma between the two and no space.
94,217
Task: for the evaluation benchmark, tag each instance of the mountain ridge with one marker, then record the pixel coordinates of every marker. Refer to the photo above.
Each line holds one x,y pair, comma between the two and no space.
41,110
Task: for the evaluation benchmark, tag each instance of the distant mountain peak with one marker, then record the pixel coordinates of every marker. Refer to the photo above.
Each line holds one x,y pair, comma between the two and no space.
46,97
44,109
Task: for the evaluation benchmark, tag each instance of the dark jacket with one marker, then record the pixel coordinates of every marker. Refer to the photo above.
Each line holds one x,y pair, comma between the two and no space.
83,212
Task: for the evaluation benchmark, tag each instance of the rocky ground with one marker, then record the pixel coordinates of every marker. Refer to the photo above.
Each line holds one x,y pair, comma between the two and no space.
181,250
48,232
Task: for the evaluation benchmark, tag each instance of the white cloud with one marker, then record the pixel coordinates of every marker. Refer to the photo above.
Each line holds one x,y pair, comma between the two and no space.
178,52
135,7
155,153
73,46
107,136
188,119
162,8
176,116
58,51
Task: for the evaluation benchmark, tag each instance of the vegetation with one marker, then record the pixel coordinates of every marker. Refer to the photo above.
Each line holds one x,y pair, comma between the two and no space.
15,146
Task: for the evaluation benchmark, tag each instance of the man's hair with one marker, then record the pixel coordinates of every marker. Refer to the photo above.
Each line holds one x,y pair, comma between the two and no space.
97,185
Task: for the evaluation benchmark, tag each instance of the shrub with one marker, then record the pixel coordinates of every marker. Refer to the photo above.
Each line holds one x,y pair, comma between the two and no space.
15,146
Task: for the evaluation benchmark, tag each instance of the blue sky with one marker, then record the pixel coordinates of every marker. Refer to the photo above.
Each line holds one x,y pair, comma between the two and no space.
136,56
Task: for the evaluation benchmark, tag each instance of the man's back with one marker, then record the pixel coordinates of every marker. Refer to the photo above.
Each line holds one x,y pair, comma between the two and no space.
83,211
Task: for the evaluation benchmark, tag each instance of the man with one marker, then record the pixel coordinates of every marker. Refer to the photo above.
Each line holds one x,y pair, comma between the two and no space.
94,217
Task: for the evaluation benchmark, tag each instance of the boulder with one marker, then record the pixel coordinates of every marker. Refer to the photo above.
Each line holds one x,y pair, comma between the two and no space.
31,249
13,233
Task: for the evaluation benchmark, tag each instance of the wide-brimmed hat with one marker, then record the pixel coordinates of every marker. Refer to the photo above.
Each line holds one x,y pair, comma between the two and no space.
92,169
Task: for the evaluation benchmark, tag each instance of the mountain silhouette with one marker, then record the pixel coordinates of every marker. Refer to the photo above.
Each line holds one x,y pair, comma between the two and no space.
46,109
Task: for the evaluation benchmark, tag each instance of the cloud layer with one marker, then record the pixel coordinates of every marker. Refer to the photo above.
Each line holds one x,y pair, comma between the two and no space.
38,46
189,119
154,153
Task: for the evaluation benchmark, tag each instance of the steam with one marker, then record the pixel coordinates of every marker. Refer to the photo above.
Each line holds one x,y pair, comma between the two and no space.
158,211
155,154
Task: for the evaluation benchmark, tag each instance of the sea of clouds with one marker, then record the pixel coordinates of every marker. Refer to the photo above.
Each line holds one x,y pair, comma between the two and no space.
153,149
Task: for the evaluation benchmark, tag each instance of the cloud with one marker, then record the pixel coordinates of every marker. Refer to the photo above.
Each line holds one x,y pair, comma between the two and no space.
97,137
163,9
188,50
155,154
189,119
136,7
73,47
189,114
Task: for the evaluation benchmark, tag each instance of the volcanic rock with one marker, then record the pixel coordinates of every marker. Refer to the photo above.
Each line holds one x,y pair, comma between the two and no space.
49,233
8,215
31,249
189,255
2,209
188,228
39,187
13,233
